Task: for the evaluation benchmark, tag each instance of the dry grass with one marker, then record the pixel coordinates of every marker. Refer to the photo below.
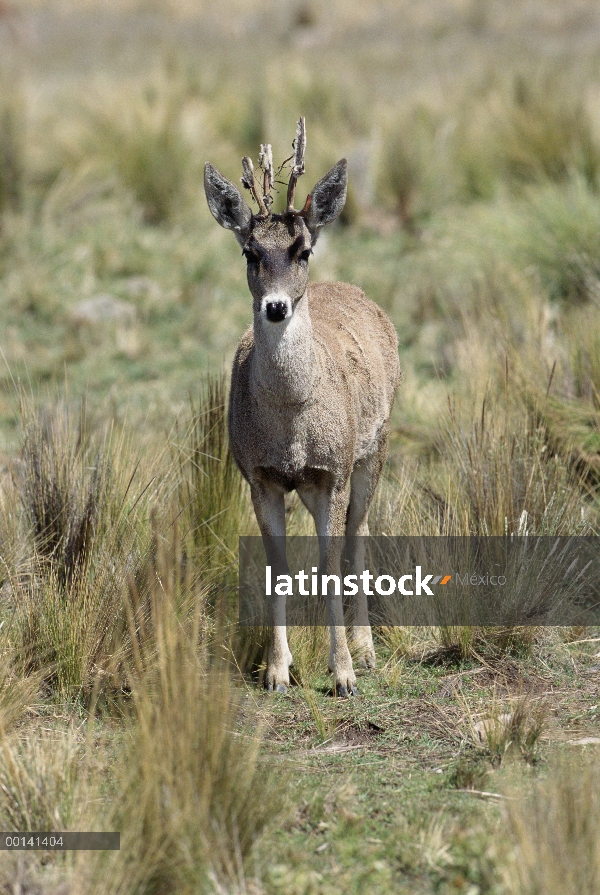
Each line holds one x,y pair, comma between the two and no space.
40,778
517,725
78,539
12,144
213,498
509,481
187,805
178,775
555,833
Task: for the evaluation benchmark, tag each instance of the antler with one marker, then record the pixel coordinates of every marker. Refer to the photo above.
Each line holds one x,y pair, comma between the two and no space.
249,182
265,160
298,166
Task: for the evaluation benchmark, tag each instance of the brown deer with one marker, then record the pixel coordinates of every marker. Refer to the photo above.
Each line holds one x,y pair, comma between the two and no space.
312,389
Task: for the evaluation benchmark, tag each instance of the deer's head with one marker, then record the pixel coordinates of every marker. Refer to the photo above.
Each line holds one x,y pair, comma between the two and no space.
276,246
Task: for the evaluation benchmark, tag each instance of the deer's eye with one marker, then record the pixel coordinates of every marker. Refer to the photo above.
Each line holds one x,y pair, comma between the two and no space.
305,255
250,256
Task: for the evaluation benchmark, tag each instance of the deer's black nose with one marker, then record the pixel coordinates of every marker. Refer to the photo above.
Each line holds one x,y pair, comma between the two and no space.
276,311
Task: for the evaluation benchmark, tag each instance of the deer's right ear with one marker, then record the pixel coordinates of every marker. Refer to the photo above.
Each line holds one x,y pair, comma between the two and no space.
226,203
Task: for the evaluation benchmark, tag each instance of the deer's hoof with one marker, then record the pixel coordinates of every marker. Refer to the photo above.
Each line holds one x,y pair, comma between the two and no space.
343,691
275,686
367,661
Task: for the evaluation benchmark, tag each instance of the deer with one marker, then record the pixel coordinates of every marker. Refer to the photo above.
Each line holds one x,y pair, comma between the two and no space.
312,388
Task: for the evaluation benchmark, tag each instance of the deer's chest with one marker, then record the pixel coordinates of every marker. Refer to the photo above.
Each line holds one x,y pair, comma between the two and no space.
294,443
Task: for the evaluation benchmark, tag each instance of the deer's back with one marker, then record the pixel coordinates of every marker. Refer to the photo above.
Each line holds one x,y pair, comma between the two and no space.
356,337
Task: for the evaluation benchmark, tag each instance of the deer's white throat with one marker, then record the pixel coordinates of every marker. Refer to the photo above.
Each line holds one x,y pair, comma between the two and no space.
284,352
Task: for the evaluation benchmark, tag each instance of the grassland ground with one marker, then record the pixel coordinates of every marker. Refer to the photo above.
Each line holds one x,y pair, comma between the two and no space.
129,696
401,794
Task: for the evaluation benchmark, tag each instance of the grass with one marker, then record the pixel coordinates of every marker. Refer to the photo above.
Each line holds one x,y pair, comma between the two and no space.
40,781
140,136
212,496
563,224
542,131
558,820
12,143
186,804
508,480
78,541
129,699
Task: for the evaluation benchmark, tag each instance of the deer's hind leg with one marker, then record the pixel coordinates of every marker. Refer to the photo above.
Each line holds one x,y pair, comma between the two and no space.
363,482
269,506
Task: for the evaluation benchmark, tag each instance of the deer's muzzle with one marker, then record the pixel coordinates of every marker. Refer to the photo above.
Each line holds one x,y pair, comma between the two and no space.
276,311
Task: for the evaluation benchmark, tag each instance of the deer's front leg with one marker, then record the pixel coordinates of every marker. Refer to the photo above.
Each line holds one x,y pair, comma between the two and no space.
269,506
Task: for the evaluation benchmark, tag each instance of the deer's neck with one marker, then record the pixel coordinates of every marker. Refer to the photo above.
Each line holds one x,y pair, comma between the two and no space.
285,370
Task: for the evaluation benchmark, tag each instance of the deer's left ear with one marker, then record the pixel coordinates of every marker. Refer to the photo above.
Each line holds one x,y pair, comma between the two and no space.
226,203
327,199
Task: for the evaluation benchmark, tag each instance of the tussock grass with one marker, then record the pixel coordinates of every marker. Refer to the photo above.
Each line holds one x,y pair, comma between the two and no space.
140,135
542,131
18,688
555,833
560,239
12,144
213,499
471,641
583,351
185,800
82,505
47,783
41,781
508,480
517,726
190,770
64,491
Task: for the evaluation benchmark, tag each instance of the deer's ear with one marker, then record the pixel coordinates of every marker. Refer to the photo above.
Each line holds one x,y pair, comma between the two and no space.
226,203
327,199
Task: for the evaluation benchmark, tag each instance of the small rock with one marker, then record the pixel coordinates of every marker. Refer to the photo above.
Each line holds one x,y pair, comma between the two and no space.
485,727
138,287
103,308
